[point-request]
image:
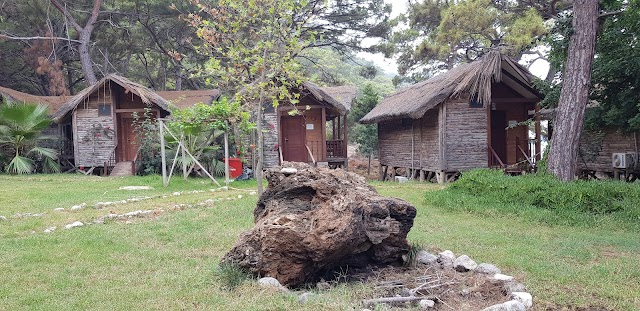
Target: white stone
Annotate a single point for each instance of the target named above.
(503, 277)
(487, 268)
(253, 193)
(212, 190)
(426, 258)
(426, 303)
(74, 224)
(59, 209)
(225, 188)
(3, 218)
(525, 298)
(446, 258)
(273, 283)
(50, 229)
(176, 193)
(240, 196)
(288, 171)
(402, 179)
(507, 306)
(512, 286)
(132, 188)
(463, 264)
(100, 205)
(76, 207)
(304, 297)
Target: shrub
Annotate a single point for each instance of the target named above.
(231, 275)
(490, 191)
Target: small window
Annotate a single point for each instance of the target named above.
(104, 110)
(475, 103)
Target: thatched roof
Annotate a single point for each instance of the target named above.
(323, 96)
(471, 78)
(53, 103)
(344, 94)
(162, 99)
(146, 95)
(183, 99)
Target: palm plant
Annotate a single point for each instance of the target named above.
(21, 126)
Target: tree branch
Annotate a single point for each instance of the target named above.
(6, 36)
(67, 15)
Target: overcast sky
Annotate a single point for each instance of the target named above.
(539, 68)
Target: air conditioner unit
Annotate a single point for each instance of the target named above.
(623, 160)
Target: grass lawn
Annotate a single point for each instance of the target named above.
(169, 260)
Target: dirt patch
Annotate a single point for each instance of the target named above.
(450, 290)
(359, 165)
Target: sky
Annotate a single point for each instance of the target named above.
(538, 69)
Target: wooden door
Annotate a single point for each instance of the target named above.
(499, 134)
(293, 139)
(127, 144)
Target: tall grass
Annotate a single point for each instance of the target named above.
(543, 198)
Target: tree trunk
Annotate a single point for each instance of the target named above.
(575, 91)
(84, 37)
(85, 58)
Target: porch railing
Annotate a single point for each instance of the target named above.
(110, 163)
(336, 149)
(135, 164)
(494, 159)
(313, 160)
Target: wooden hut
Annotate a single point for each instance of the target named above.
(303, 137)
(597, 149)
(99, 120)
(468, 117)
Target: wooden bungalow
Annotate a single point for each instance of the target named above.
(469, 117)
(317, 134)
(598, 149)
(98, 121)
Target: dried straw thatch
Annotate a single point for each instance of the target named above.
(473, 78)
(147, 96)
(323, 96)
(345, 94)
(53, 103)
(183, 99)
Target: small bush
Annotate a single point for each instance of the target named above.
(411, 258)
(231, 275)
(490, 191)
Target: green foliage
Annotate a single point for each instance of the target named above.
(575, 203)
(252, 45)
(365, 135)
(448, 33)
(325, 66)
(201, 125)
(146, 131)
(410, 259)
(231, 275)
(616, 67)
(220, 115)
(21, 126)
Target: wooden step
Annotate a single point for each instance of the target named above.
(122, 169)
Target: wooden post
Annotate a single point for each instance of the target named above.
(345, 142)
(163, 156)
(441, 176)
(226, 156)
(323, 130)
(184, 158)
(538, 152)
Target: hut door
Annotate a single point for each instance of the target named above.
(293, 139)
(499, 134)
(126, 138)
